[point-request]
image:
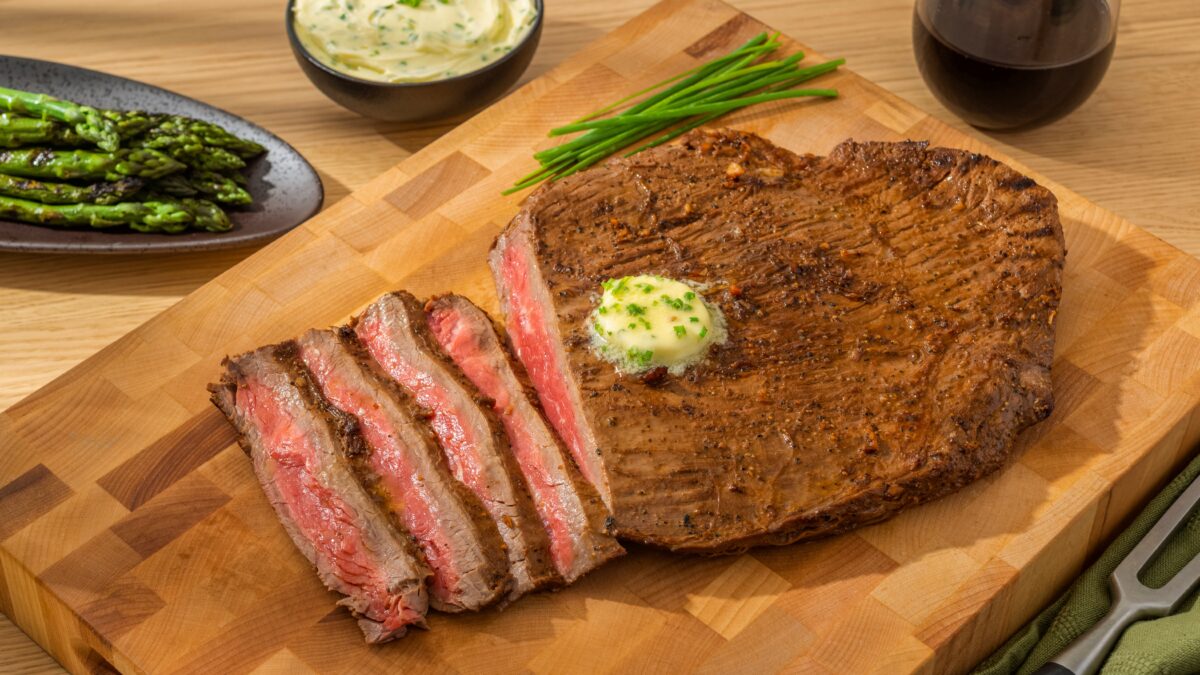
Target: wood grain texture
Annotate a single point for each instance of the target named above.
(1125, 149)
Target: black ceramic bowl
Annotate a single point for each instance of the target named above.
(412, 101)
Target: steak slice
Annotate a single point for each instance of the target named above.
(298, 445)
(570, 508)
(404, 469)
(393, 331)
(890, 313)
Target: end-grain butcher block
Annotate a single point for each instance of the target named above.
(890, 313)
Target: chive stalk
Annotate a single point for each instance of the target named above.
(689, 111)
(677, 105)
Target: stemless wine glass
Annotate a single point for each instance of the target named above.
(1009, 64)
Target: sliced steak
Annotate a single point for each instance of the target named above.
(890, 313)
(570, 508)
(403, 467)
(394, 333)
(299, 446)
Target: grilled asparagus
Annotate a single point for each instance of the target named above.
(86, 165)
(64, 193)
(142, 216)
(85, 120)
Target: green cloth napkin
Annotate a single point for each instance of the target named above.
(1166, 646)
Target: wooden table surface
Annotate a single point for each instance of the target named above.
(1133, 148)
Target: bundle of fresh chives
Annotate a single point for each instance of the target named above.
(694, 97)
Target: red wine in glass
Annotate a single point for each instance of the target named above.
(1010, 64)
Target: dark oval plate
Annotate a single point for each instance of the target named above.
(285, 187)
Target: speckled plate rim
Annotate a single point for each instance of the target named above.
(304, 193)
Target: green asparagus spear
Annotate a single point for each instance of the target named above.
(177, 221)
(208, 215)
(205, 184)
(192, 151)
(210, 134)
(86, 165)
(16, 131)
(130, 123)
(217, 159)
(85, 120)
(205, 214)
(142, 216)
(65, 193)
(219, 187)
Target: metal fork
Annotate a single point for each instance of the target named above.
(1132, 600)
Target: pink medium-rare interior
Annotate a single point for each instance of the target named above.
(390, 461)
(453, 431)
(537, 350)
(320, 514)
(460, 341)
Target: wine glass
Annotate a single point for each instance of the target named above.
(1010, 64)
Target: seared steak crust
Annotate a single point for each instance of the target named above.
(890, 311)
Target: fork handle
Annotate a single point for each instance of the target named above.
(1085, 655)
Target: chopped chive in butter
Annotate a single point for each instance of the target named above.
(640, 323)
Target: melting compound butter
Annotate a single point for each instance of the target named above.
(647, 321)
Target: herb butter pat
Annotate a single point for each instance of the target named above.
(645, 322)
(411, 40)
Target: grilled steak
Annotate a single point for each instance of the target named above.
(394, 332)
(890, 314)
(570, 508)
(298, 446)
(403, 466)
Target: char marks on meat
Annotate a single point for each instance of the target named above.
(403, 467)
(570, 508)
(890, 311)
(394, 332)
(299, 447)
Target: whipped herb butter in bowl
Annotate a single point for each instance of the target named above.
(403, 60)
(411, 40)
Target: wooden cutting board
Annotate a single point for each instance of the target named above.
(133, 534)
